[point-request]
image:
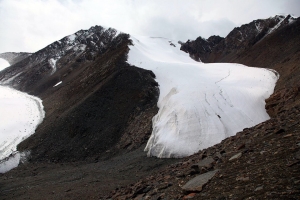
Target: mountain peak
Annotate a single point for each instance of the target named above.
(82, 46)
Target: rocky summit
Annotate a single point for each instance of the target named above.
(98, 120)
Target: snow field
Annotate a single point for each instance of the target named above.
(199, 104)
(20, 114)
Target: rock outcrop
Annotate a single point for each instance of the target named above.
(201, 48)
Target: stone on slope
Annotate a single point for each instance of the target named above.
(235, 156)
(197, 183)
(206, 162)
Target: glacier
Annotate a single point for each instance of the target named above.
(20, 114)
(199, 104)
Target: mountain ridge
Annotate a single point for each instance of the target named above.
(239, 39)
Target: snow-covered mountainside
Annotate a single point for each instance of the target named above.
(199, 104)
(216, 48)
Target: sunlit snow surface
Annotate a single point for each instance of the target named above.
(20, 114)
(3, 64)
(199, 104)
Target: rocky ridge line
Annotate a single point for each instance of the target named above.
(219, 49)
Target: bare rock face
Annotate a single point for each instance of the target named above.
(282, 100)
(200, 48)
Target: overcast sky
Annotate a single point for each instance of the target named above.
(29, 25)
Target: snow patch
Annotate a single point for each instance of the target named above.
(52, 63)
(8, 81)
(276, 26)
(291, 20)
(57, 83)
(199, 104)
(80, 47)
(13, 161)
(90, 35)
(72, 37)
(258, 28)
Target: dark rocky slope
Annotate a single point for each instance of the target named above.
(261, 162)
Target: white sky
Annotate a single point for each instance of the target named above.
(33, 24)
